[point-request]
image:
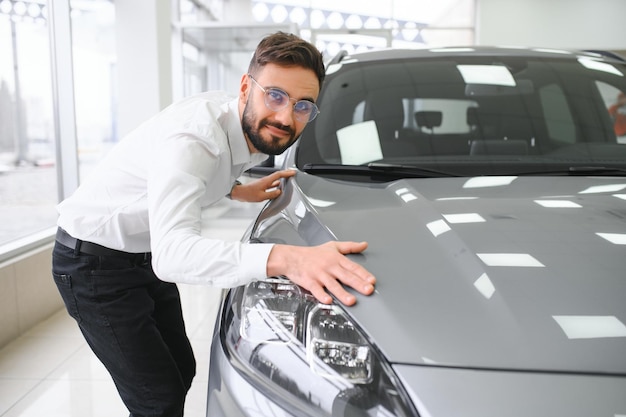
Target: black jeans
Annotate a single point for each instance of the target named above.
(133, 323)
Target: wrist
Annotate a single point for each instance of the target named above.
(276, 261)
(232, 189)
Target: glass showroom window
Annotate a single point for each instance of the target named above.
(29, 190)
(94, 55)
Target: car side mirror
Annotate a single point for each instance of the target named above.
(265, 168)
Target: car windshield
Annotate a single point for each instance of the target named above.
(468, 115)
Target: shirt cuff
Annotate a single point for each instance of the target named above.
(254, 259)
(229, 195)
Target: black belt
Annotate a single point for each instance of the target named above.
(80, 246)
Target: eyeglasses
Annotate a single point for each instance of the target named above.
(276, 99)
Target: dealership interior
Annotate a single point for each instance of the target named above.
(77, 75)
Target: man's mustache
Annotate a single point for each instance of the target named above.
(280, 126)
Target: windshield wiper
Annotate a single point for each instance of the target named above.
(377, 169)
(596, 170)
(580, 170)
(410, 169)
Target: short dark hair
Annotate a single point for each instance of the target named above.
(288, 50)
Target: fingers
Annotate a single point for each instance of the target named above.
(357, 277)
(321, 287)
(323, 270)
(265, 188)
(271, 194)
(270, 183)
(273, 179)
(345, 273)
(357, 272)
(321, 295)
(350, 247)
(335, 288)
(285, 173)
(349, 273)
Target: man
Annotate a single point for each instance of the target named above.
(617, 112)
(132, 229)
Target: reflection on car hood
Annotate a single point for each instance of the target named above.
(488, 272)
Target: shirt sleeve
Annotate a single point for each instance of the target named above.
(186, 171)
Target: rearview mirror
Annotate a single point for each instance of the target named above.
(520, 87)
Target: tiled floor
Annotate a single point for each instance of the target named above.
(51, 372)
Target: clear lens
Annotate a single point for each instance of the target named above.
(308, 355)
(276, 99)
(306, 110)
(269, 311)
(333, 341)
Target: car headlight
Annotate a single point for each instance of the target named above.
(309, 357)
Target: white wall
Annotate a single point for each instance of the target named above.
(576, 24)
(144, 62)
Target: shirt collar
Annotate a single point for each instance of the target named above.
(240, 153)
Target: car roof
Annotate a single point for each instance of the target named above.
(399, 53)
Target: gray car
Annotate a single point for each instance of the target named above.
(490, 184)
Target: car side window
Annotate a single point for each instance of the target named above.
(614, 100)
(608, 92)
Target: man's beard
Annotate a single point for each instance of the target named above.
(274, 145)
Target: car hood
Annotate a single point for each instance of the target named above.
(490, 272)
(438, 391)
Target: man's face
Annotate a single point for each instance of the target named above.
(272, 132)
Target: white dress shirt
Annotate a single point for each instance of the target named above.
(148, 193)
